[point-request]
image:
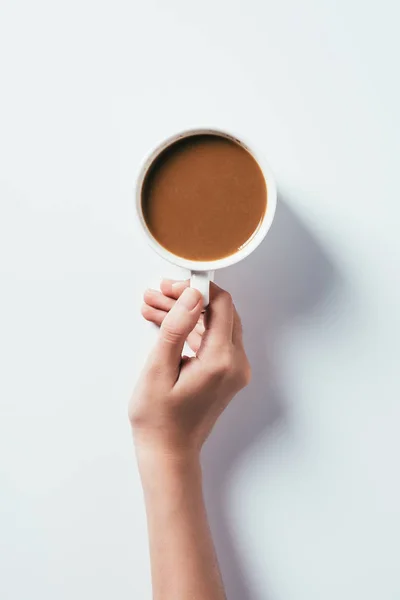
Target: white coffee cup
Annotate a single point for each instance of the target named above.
(202, 271)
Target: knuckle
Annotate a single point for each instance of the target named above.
(223, 363)
(244, 373)
(170, 334)
(136, 417)
(136, 408)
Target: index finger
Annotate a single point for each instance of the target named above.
(219, 320)
(173, 288)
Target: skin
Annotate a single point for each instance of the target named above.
(172, 412)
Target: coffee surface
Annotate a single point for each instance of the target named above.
(204, 197)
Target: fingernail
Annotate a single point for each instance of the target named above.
(189, 299)
(176, 284)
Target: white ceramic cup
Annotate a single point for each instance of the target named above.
(202, 272)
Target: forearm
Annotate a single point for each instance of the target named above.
(183, 561)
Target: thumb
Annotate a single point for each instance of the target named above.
(177, 325)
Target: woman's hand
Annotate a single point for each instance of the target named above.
(178, 399)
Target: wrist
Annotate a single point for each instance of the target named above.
(162, 467)
(156, 449)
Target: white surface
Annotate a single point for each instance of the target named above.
(303, 486)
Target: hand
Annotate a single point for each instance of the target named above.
(178, 399)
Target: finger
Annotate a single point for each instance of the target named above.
(173, 289)
(194, 341)
(158, 300)
(219, 319)
(157, 316)
(200, 327)
(154, 315)
(175, 328)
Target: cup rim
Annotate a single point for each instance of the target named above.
(251, 244)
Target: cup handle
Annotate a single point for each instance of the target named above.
(200, 280)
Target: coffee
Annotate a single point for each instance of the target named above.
(204, 197)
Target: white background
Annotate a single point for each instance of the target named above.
(303, 470)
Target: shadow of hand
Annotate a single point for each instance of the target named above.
(285, 278)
